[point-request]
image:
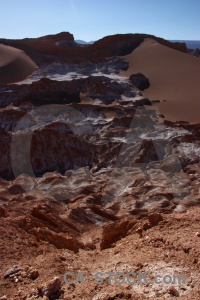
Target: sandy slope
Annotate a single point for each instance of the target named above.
(174, 76)
(15, 65)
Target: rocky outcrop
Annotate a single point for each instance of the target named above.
(52, 289)
(112, 232)
(140, 81)
(123, 44)
(46, 91)
(62, 47)
(86, 68)
(59, 240)
(41, 144)
(42, 92)
(154, 218)
(104, 89)
(150, 151)
(11, 117)
(43, 49)
(53, 37)
(48, 149)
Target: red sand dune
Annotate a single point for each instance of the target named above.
(174, 76)
(15, 65)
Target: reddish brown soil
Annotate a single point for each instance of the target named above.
(171, 247)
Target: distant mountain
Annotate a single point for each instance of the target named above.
(63, 47)
(83, 42)
(189, 44)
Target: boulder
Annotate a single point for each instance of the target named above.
(140, 81)
(154, 218)
(51, 289)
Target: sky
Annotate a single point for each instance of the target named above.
(91, 20)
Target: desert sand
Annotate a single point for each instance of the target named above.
(15, 65)
(174, 76)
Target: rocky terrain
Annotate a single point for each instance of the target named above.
(94, 179)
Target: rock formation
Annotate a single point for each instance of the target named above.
(48, 48)
(140, 81)
(94, 179)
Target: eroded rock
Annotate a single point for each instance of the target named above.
(52, 289)
(59, 240)
(140, 81)
(155, 218)
(112, 232)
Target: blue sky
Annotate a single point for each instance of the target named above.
(93, 19)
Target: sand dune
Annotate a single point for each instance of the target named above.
(174, 76)
(15, 65)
